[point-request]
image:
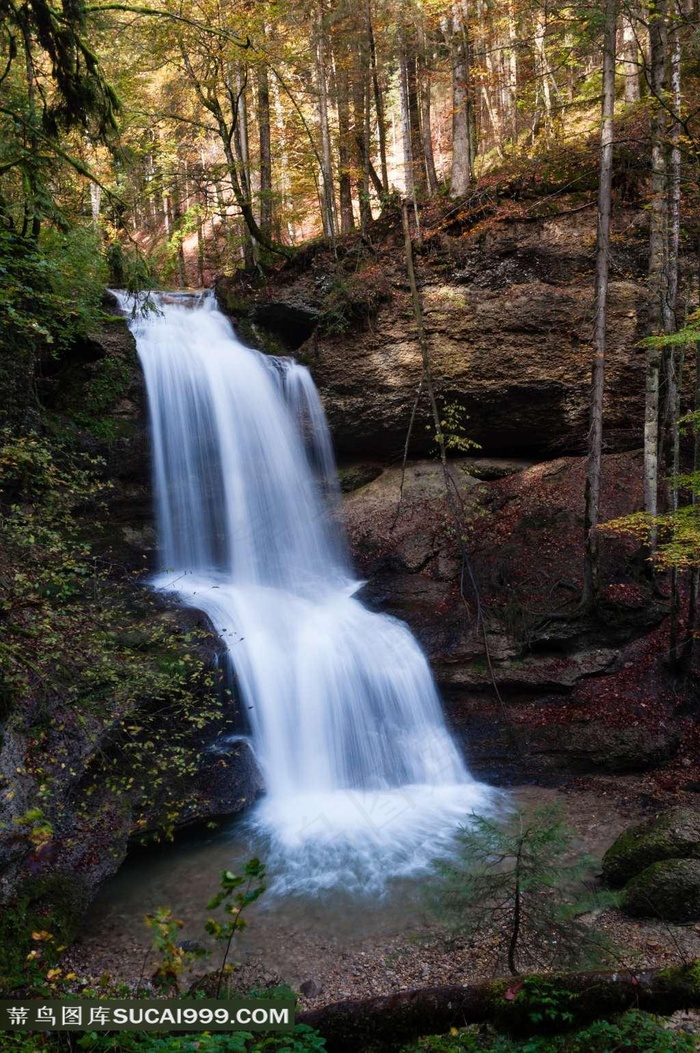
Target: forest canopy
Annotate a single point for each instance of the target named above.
(246, 128)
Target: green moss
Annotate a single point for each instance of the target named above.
(357, 475)
(669, 890)
(679, 977)
(232, 303)
(108, 383)
(674, 834)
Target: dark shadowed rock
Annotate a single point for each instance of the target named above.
(594, 747)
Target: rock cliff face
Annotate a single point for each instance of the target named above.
(574, 694)
(516, 360)
(508, 314)
(101, 392)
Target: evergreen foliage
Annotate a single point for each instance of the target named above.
(511, 883)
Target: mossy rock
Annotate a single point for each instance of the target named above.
(674, 834)
(354, 476)
(669, 890)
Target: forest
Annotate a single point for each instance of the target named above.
(350, 521)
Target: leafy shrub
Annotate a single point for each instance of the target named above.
(635, 1032)
(50, 296)
(302, 1040)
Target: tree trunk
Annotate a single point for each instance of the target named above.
(491, 88)
(408, 169)
(326, 158)
(463, 148)
(543, 72)
(591, 574)
(240, 139)
(425, 111)
(378, 100)
(658, 252)
(512, 58)
(388, 1021)
(411, 117)
(362, 133)
(284, 167)
(265, 150)
(347, 218)
(630, 58)
(686, 656)
(673, 364)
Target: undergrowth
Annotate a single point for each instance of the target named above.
(634, 1032)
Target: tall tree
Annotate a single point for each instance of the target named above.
(346, 145)
(424, 71)
(320, 56)
(378, 99)
(264, 136)
(658, 244)
(630, 52)
(591, 570)
(414, 166)
(463, 122)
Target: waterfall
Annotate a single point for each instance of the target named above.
(363, 781)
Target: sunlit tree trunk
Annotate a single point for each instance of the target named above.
(491, 88)
(408, 169)
(413, 149)
(95, 201)
(512, 61)
(378, 100)
(545, 77)
(630, 57)
(283, 163)
(463, 146)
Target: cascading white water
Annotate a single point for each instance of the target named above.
(363, 780)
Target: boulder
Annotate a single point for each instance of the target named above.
(669, 890)
(674, 834)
